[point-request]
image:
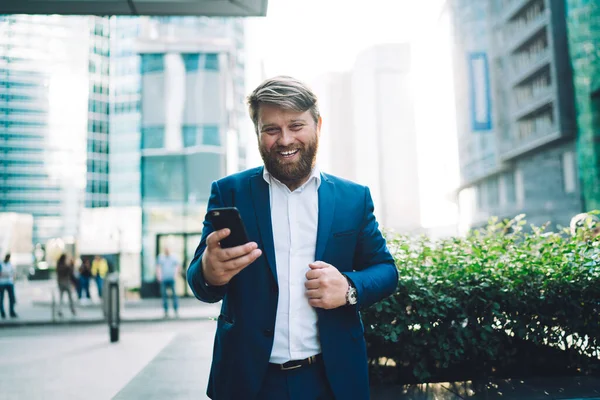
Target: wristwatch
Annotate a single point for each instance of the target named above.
(351, 294)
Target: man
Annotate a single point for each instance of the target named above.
(7, 283)
(99, 270)
(289, 326)
(167, 268)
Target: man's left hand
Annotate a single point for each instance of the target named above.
(326, 287)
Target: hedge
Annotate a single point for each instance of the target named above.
(504, 300)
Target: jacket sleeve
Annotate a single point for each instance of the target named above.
(195, 277)
(375, 275)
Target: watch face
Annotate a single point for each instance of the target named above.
(352, 296)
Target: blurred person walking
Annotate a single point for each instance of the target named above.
(99, 270)
(167, 268)
(64, 276)
(7, 283)
(85, 275)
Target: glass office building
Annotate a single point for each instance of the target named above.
(516, 119)
(583, 19)
(120, 112)
(43, 120)
(191, 99)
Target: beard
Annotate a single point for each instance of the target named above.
(287, 171)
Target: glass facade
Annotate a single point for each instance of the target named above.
(89, 119)
(125, 129)
(191, 98)
(98, 114)
(583, 18)
(43, 120)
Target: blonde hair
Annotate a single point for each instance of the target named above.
(284, 92)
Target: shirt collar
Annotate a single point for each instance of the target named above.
(315, 174)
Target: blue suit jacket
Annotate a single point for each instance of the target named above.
(348, 238)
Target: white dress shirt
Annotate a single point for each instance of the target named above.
(294, 217)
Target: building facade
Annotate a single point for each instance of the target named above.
(583, 19)
(515, 114)
(370, 135)
(142, 113)
(43, 120)
(386, 157)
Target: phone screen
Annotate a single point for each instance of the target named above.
(229, 217)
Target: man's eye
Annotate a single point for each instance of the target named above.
(296, 127)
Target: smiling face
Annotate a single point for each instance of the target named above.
(288, 143)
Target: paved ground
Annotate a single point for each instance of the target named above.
(167, 360)
(170, 359)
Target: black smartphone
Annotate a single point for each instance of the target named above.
(229, 217)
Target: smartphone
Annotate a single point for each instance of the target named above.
(229, 217)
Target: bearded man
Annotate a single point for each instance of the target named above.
(290, 326)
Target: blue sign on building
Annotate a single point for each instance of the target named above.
(479, 92)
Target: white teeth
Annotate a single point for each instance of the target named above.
(288, 153)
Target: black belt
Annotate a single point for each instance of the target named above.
(293, 364)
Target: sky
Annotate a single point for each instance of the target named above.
(309, 38)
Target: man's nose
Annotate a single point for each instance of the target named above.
(286, 138)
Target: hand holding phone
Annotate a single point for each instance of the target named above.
(228, 250)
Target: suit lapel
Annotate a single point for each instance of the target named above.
(262, 205)
(326, 211)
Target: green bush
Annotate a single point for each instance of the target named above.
(480, 304)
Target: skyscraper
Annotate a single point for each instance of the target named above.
(43, 120)
(583, 19)
(369, 132)
(192, 92)
(385, 135)
(155, 101)
(515, 114)
(98, 113)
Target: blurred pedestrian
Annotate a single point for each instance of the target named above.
(64, 276)
(167, 268)
(85, 274)
(7, 283)
(99, 270)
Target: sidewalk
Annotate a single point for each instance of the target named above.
(35, 308)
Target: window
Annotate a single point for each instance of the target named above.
(492, 192)
(568, 170)
(190, 135)
(191, 61)
(509, 188)
(211, 135)
(212, 62)
(152, 63)
(519, 188)
(153, 137)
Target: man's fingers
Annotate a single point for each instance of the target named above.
(318, 265)
(312, 284)
(236, 252)
(313, 274)
(318, 303)
(242, 262)
(314, 294)
(214, 238)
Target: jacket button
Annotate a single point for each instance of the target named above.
(268, 332)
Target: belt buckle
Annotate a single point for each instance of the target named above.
(289, 368)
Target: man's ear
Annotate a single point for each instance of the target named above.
(319, 123)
